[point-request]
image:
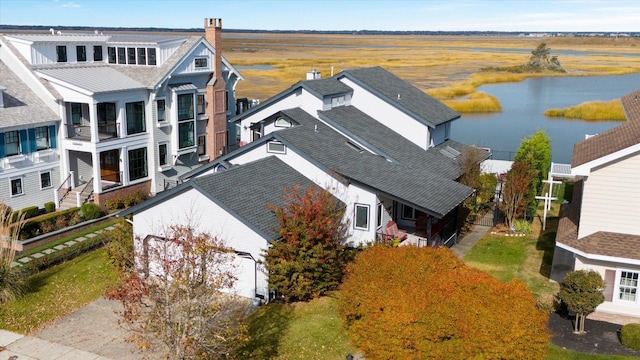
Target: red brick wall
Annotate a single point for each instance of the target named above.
(100, 199)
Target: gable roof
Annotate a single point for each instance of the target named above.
(418, 186)
(619, 138)
(21, 105)
(361, 126)
(248, 203)
(599, 244)
(402, 95)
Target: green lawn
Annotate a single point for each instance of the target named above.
(297, 331)
(57, 291)
(557, 353)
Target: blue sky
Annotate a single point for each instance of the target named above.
(483, 15)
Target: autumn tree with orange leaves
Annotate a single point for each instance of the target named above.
(310, 257)
(425, 303)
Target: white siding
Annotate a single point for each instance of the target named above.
(350, 195)
(299, 98)
(187, 66)
(600, 267)
(611, 196)
(389, 115)
(194, 209)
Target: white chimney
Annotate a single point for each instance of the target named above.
(313, 74)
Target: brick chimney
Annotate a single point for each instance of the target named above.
(216, 98)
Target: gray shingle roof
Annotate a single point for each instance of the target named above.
(95, 79)
(326, 87)
(612, 140)
(21, 105)
(395, 145)
(401, 94)
(420, 186)
(248, 189)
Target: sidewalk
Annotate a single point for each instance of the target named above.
(92, 332)
(19, 347)
(469, 240)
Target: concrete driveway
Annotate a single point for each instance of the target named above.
(91, 332)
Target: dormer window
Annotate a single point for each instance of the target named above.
(151, 52)
(81, 53)
(201, 63)
(337, 101)
(111, 54)
(122, 55)
(142, 56)
(97, 53)
(61, 52)
(131, 55)
(276, 147)
(281, 122)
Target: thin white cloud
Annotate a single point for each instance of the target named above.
(71, 4)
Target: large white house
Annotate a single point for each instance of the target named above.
(599, 230)
(133, 111)
(367, 160)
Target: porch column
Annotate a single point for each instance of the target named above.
(93, 123)
(429, 243)
(95, 160)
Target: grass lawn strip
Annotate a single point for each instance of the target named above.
(65, 239)
(58, 291)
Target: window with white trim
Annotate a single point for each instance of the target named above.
(45, 179)
(135, 117)
(16, 187)
(276, 147)
(282, 122)
(97, 53)
(142, 56)
(186, 121)
(131, 55)
(628, 286)
(408, 212)
(12, 142)
(337, 101)
(200, 63)
(201, 104)
(111, 54)
(162, 154)
(81, 53)
(61, 53)
(160, 107)
(138, 163)
(202, 148)
(122, 55)
(42, 138)
(361, 217)
(151, 56)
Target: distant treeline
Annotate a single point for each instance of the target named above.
(328, 32)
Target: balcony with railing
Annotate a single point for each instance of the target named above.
(83, 132)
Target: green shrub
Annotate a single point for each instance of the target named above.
(49, 207)
(115, 203)
(91, 211)
(523, 227)
(29, 212)
(34, 227)
(630, 336)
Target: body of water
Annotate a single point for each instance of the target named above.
(523, 107)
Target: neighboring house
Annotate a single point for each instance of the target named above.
(375, 91)
(29, 155)
(136, 110)
(600, 230)
(371, 165)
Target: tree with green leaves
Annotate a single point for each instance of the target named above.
(535, 151)
(310, 257)
(515, 190)
(582, 292)
(541, 59)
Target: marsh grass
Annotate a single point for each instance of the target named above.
(429, 62)
(476, 102)
(591, 111)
